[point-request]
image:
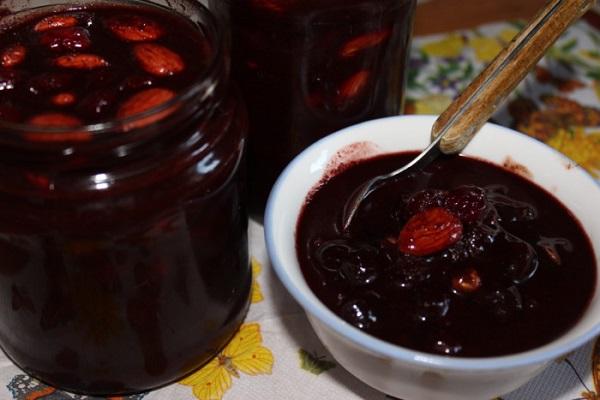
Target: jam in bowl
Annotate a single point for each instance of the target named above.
(123, 216)
(461, 281)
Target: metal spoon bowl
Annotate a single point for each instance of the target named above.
(459, 123)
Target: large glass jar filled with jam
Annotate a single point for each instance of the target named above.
(310, 67)
(123, 247)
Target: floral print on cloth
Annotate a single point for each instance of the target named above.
(24, 387)
(558, 103)
(244, 354)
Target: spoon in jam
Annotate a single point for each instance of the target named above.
(457, 125)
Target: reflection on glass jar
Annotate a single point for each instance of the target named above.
(310, 67)
(123, 223)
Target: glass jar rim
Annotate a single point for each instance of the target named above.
(204, 86)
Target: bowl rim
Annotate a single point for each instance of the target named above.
(380, 347)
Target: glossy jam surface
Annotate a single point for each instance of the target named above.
(463, 259)
(87, 66)
(124, 255)
(308, 68)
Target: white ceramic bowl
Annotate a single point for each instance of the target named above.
(398, 371)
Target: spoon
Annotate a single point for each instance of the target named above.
(457, 125)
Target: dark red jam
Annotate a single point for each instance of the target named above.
(123, 244)
(92, 65)
(310, 67)
(462, 259)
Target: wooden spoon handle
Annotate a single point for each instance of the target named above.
(473, 107)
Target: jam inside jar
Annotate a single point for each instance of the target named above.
(123, 222)
(308, 68)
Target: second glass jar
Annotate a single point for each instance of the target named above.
(308, 68)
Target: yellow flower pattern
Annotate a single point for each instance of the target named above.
(451, 46)
(581, 147)
(257, 295)
(508, 34)
(486, 48)
(432, 105)
(244, 354)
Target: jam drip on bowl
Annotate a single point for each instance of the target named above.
(462, 259)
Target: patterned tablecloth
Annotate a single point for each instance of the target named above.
(277, 356)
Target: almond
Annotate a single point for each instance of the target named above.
(467, 282)
(133, 28)
(66, 39)
(63, 99)
(429, 232)
(158, 60)
(363, 42)
(353, 86)
(55, 21)
(56, 120)
(13, 55)
(81, 61)
(144, 101)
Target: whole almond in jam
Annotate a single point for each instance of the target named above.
(66, 39)
(363, 42)
(13, 55)
(430, 231)
(134, 28)
(55, 21)
(158, 60)
(56, 120)
(144, 101)
(448, 261)
(81, 61)
(63, 99)
(352, 87)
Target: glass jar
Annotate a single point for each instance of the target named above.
(124, 243)
(310, 67)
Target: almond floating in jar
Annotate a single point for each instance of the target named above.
(81, 61)
(429, 232)
(55, 21)
(158, 60)
(134, 28)
(66, 39)
(359, 43)
(56, 120)
(13, 55)
(63, 99)
(144, 101)
(353, 86)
